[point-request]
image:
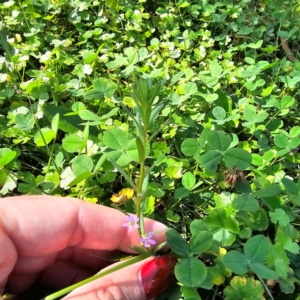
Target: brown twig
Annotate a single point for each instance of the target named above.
(289, 54)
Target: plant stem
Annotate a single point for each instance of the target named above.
(139, 195)
(141, 181)
(265, 286)
(25, 17)
(120, 266)
(50, 153)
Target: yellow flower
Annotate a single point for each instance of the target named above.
(218, 279)
(223, 251)
(122, 196)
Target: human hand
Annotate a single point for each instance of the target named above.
(59, 241)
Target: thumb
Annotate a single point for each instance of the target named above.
(140, 281)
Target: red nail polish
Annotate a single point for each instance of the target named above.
(157, 275)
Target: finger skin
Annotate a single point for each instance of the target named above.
(37, 230)
(143, 280)
(123, 284)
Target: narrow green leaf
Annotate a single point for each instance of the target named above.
(137, 123)
(86, 131)
(155, 111)
(100, 162)
(55, 124)
(124, 174)
(146, 195)
(80, 178)
(132, 150)
(109, 114)
(137, 103)
(4, 43)
(141, 150)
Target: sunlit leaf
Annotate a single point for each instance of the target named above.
(188, 180)
(6, 156)
(82, 164)
(115, 138)
(189, 147)
(44, 137)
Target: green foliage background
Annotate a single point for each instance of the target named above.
(231, 112)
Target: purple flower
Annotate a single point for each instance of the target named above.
(132, 222)
(146, 239)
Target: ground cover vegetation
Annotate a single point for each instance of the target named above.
(182, 111)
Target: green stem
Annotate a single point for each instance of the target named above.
(97, 276)
(265, 286)
(141, 181)
(215, 293)
(25, 17)
(138, 197)
(46, 146)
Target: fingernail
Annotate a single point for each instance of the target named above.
(157, 274)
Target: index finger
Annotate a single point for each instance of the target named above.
(41, 225)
